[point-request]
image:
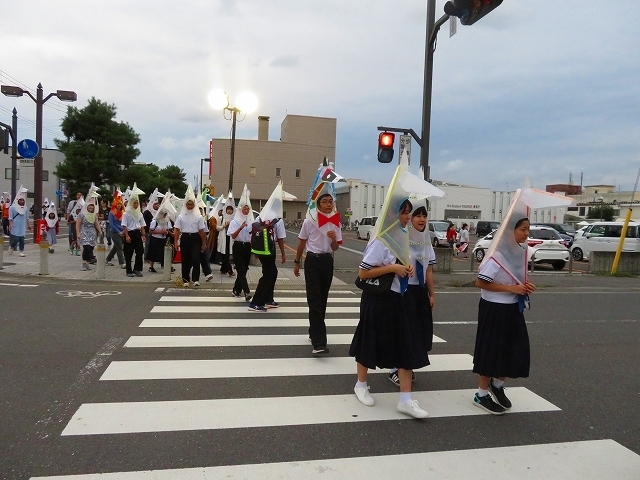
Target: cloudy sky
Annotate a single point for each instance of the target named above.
(541, 89)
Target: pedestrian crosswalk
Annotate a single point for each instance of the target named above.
(198, 337)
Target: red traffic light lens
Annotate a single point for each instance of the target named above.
(386, 139)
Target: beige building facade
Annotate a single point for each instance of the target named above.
(304, 143)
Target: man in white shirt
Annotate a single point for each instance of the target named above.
(240, 232)
(189, 231)
(133, 226)
(321, 240)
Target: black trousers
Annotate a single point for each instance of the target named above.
(135, 246)
(225, 267)
(318, 275)
(241, 258)
(267, 283)
(190, 245)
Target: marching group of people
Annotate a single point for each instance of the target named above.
(395, 329)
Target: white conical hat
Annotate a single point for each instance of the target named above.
(388, 228)
(134, 194)
(51, 222)
(273, 208)
(165, 207)
(217, 205)
(227, 217)
(6, 197)
(21, 193)
(504, 250)
(92, 199)
(244, 200)
(126, 195)
(155, 197)
(189, 195)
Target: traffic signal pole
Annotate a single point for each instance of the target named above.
(431, 34)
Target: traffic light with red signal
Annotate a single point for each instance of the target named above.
(470, 11)
(385, 147)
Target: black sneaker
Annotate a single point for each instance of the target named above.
(393, 377)
(488, 405)
(499, 396)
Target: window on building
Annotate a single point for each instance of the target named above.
(298, 173)
(252, 171)
(284, 214)
(7, 174)
(45, 175)
(277, 172)
(581, 211)
(299, 216)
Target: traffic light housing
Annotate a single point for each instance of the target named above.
(470, 11)
(385, 147)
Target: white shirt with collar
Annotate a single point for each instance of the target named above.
(189, 223)
(317, 241)
(245, 233)
(131, 222)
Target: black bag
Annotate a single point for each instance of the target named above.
(262, 238)
(376, 285)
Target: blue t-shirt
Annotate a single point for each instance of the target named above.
(19, 225)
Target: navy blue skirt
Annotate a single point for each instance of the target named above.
(502, 341)
(394, 331)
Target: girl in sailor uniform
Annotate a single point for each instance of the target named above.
(384, 335)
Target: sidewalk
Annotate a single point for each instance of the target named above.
(66, 266)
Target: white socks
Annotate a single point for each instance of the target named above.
(360, 384)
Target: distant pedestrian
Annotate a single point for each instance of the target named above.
(133, 227)
(52, 226)
(18, 222)
(320, 237)
(160, 229)
(70, 216)
(117, 233)
(188, 232)
(463, 237)
(451, 236)
(87, 230)
(240, 232)
(6, 202)
(225, 242)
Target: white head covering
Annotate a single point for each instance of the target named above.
(165, 207)
(504, 249)
(227, 217)
(77, 208)
(22, 193)
(134, 194)
(155, 197)
(420, 245)
(127, 194)
(388, 229)
(92, 199)
(244, 200)
(6, 197)
(51, 222)
(217, 205)
(46, 202)
(273, 208)
(189, 195)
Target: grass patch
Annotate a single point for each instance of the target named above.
(617, 274)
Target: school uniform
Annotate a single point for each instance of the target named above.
(134, 228)
(267, 283)
(241, 249)
(502, 341)
(190, 225)
(318, 275)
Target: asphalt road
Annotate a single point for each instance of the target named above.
(55, 347)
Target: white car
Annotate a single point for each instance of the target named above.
(544, 246)
(605, 237)
(438, 233)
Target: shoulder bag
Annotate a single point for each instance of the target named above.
(376, 285)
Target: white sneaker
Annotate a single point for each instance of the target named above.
(185, 284)
(196, 284)
(208, 277)
(10, 251)
(411, 408)
(363, 395)
(22, 254)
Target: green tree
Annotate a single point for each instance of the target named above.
(97, 147)
(601, 212)
(148, 177)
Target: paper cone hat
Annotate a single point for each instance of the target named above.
(134, 195)
(21, 194)
(227, 217)
(165, 207)
(244, 200)
(273, 208)
(51, 209)
(504, 249)
(189, 196)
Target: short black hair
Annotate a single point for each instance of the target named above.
(420, 211)
(406, 204)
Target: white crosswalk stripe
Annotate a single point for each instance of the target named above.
(234, 328)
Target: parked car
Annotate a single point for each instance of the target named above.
(365, 228)
(605, 236)
(438, 233)
(485, 227)
(561, 228)
(543, 246)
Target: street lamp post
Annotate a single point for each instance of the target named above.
(247, 103)
(40, 99)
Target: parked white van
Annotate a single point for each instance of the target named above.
(365, 227)
(604, 237)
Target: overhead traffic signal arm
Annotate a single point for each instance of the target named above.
(470, 11)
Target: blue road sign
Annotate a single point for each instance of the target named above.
(28, 148)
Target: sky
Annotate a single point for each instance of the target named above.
(537, 91)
